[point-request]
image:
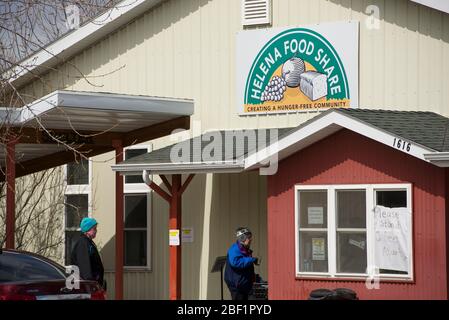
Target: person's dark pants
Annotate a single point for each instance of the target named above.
(237, 295)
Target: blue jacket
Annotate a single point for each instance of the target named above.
(239, 272)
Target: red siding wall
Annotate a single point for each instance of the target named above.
(349, 158)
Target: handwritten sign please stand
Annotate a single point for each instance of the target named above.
(392, 227)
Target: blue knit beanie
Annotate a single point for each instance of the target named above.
(87, 224)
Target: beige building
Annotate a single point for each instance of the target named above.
(187, 49)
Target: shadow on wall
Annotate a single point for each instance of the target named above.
(145, 284)
(415, 17)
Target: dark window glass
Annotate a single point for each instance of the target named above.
(71, 237)
(76, 208)
(392, 199)
(131, 153)
(313, 256)
(135, 248)
(21, 267)
(135, 230)
(351, 252)
(78, 172)
(313, 251)
(313, 209)
(136, 211)
(351, 245)
(351, 209)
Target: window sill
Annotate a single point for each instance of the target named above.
(136, 269)
(131, 269)
(353, 279)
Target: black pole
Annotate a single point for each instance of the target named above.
(221, 282)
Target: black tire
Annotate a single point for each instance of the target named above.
(345, 294)
(320, 294)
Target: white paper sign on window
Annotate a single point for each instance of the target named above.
(392, 227)
(315, 215)
(318, 249)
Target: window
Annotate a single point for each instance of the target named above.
(77, 200)
(391, 199)
(78, 173)
(351, 231)
(341, 231)
(313, 231)
(76, 208)
(131, 153)
(136, 208)
(137, 215)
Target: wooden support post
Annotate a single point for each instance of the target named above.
(10, 193)
(175, 251)
(119, 223)
(175, 200)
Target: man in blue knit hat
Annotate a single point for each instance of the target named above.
(85, 253)
(239, 272)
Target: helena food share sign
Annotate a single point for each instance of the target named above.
(297, 69)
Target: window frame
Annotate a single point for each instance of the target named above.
(134, 187)
(140, 189)
(370, 190)
(77, 189)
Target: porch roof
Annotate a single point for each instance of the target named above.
(48, 130)
(196, 155)
(421, 134)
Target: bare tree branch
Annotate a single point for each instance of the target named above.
(27, 26)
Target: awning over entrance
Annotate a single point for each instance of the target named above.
(421, 134)
(221, 151)
(87, 122)
(65, 125)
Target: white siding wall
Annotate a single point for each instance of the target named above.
(186, 49)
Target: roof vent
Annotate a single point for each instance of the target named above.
(256, 12)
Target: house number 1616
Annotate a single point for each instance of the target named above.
(402, 145)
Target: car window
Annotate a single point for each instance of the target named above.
(22, 267)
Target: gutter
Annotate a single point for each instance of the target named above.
(178, 168)
(440, 159)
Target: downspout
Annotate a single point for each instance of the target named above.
(146, 178)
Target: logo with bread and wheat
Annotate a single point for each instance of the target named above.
(297, 69)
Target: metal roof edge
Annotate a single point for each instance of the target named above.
(179, 167)
(83, 99)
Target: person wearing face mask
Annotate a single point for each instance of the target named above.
(239, 272)
(85, 253)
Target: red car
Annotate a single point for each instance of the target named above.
(29, 276)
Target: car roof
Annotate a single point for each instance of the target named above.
(35, 255)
